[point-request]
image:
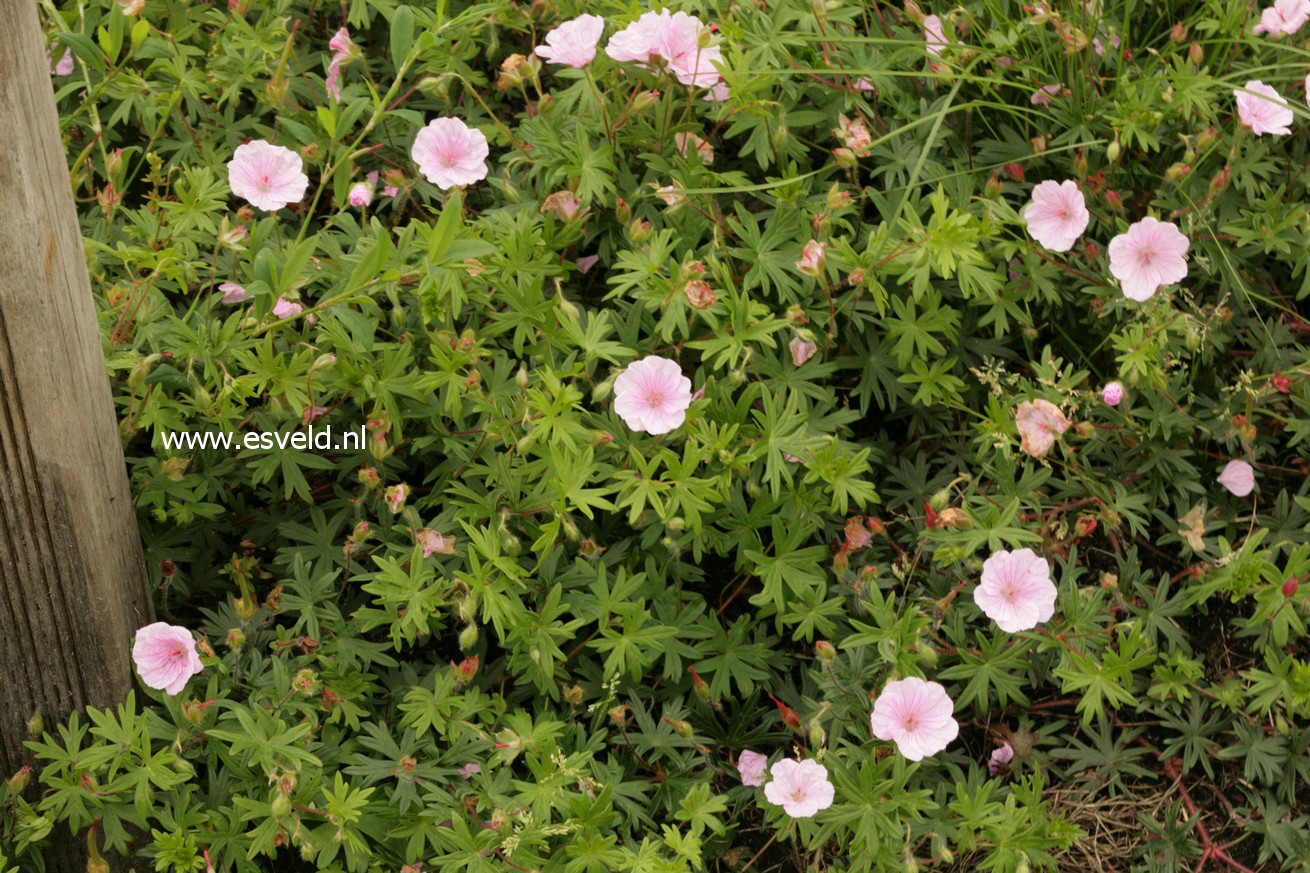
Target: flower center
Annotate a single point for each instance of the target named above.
(1146, 256)
(265, 182)
(654, 400)
(176, 652)
(1064, 214)
(798, 795)
(910, 723)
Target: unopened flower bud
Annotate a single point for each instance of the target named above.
(680, 727)
(1080, 164)
(825, 651)
(1177, 171)
(281, 806)
(622, 211)
(1013, 171)
(1114, 201)
(1207, 138)
(1112, 151)
(468, 637)
(1290, 586)
(18, 782)
(993, 188)
(1178, 34)
(639, 230)
(1196, 55)
(1038, 143)
(236, 638)
(845, 158)
(1219, 182)
(645, 100)
(35, 725)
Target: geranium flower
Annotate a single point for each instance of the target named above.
(651, 395)
(449, 153)
(565, 204)
(1149, 255)
(1238, 477)
(685, 142)
(1112, 393)
(267, 176)
(1285, 17)
(284, 308)
(361, 194)
(1042, 96)
(343, 51)
(468, 771)
(812, 257)
(434, 543)
(573, 43)
(1262, 109)
(1000, 759)
(1016, 590)
(801, 788)
(674, 38)
(64, 66)
(1057, 215)
(165, 656)
(933, 35)
(1040, 424)
(916, 715)
(751, 766)
(233, 293)
(395, 497)
(801, 351)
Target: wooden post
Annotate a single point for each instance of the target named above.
(73, 587)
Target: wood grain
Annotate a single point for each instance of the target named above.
(73, 587)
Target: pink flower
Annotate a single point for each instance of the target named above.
(585, 263)
(1238, 477)
(387, 190)
(652, 395)
(434, 543)
(1057, 215)
(1112, 393)
(1100, 49)
(284, 308)
(449, 153)
(165, 656)
(565, 204)
(801, 351)
(676, 39)
(1000, 759)
(573, 43)
(751, 766)
(64, 66)
(865, 85)
(717, 93)
(639, 41)
(801, 788)
(916, 715)
(1040, 423)
(1016, 590)
(1149, 255)
(686, 142)
(933, 35)
(395, 497)
(234, 293)
(812, 258)
(468, 771)
(1285, 17)
(361, 194)
(343, 52)
(1042, 96)
(266, 175)
(1262, 109)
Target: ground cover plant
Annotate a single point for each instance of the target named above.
(798, 436)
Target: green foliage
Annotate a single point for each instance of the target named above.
(508, 632)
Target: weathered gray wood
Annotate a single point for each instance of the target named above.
(72, 583)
